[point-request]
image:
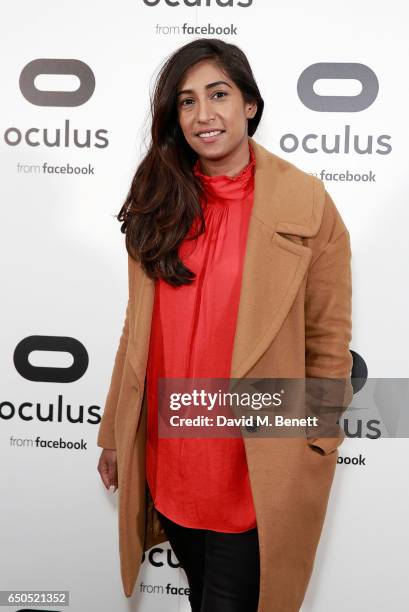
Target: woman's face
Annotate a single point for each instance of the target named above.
(209, 101)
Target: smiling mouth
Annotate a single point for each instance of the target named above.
(210, 134)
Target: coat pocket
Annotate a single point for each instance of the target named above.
(325, 446)
(135, 363)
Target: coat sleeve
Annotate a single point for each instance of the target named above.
(328, 329)
(106, 432)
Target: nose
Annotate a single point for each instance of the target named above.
(205, 113)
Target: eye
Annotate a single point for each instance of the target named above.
(216, 93)
(224, 93)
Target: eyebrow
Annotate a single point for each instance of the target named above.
(208, 86)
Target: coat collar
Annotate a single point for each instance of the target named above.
(288, 203)
(286, 199)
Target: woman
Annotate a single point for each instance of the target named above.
(239, 266)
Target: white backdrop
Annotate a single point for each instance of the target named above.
(64, 272)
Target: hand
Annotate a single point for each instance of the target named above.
(107, 468)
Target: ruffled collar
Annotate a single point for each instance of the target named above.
(222, 188)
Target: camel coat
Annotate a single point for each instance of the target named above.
(294, 321)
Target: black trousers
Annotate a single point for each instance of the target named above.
(222, 569)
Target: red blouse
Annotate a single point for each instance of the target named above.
(202, 483)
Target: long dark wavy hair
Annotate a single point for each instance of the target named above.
(164, 197)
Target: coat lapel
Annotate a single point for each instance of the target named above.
(288, 205)
(287, 202)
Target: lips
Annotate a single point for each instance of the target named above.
(210, 134)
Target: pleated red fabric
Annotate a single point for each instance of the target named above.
(202, 483)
